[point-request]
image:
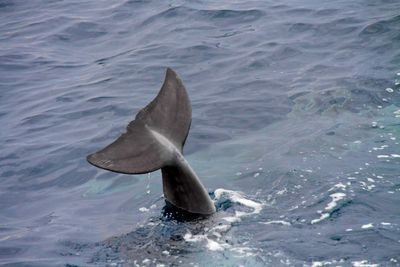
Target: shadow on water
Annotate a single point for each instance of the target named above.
(174, 238)
(160, 240)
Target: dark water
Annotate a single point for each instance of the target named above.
(296, 115)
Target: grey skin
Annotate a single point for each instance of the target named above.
(154, 140)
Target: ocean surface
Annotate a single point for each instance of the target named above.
(295, 131)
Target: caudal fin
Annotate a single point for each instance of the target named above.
(138, 151)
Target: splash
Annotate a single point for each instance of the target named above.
(213, 237)
(336, 197)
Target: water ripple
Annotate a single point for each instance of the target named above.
(289, 99)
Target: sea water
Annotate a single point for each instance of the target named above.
(295, 131)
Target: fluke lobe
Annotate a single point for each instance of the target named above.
(155, 140)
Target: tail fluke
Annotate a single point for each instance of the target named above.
(137, 151)
(154, 140)
(170, 113)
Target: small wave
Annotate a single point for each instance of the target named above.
(239, 16)
(375, 28)
(299, 11)
(81, 31)
(285, 53)
(238, 197)
(213, 237)
(336, 198)
(5, 3)
(327, 12)
(170, 13)
(301, 27)
(224, 16)
(10, 251)
(279, 222)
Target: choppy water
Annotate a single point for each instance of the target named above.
(296, 115)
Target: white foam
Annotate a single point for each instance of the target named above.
(367, 226)
(389, 90)
(321, 218)
(211, 244)
(281, 192)
(367, 187)
(143, 209)
(363, 263)
(336, 197)
(237, 197)
(165, 252)
(317, 264)
(214, 246)
(388, 156)
(213, 236)
(382, 156)
(380, 148)
(338, 185)
(146, 261)
(243, 251)
(231, 219)
(385, 223)
(222, 227)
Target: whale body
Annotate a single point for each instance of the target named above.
(154, 140)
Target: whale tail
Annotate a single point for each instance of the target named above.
(155, 140)
(137, 151)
